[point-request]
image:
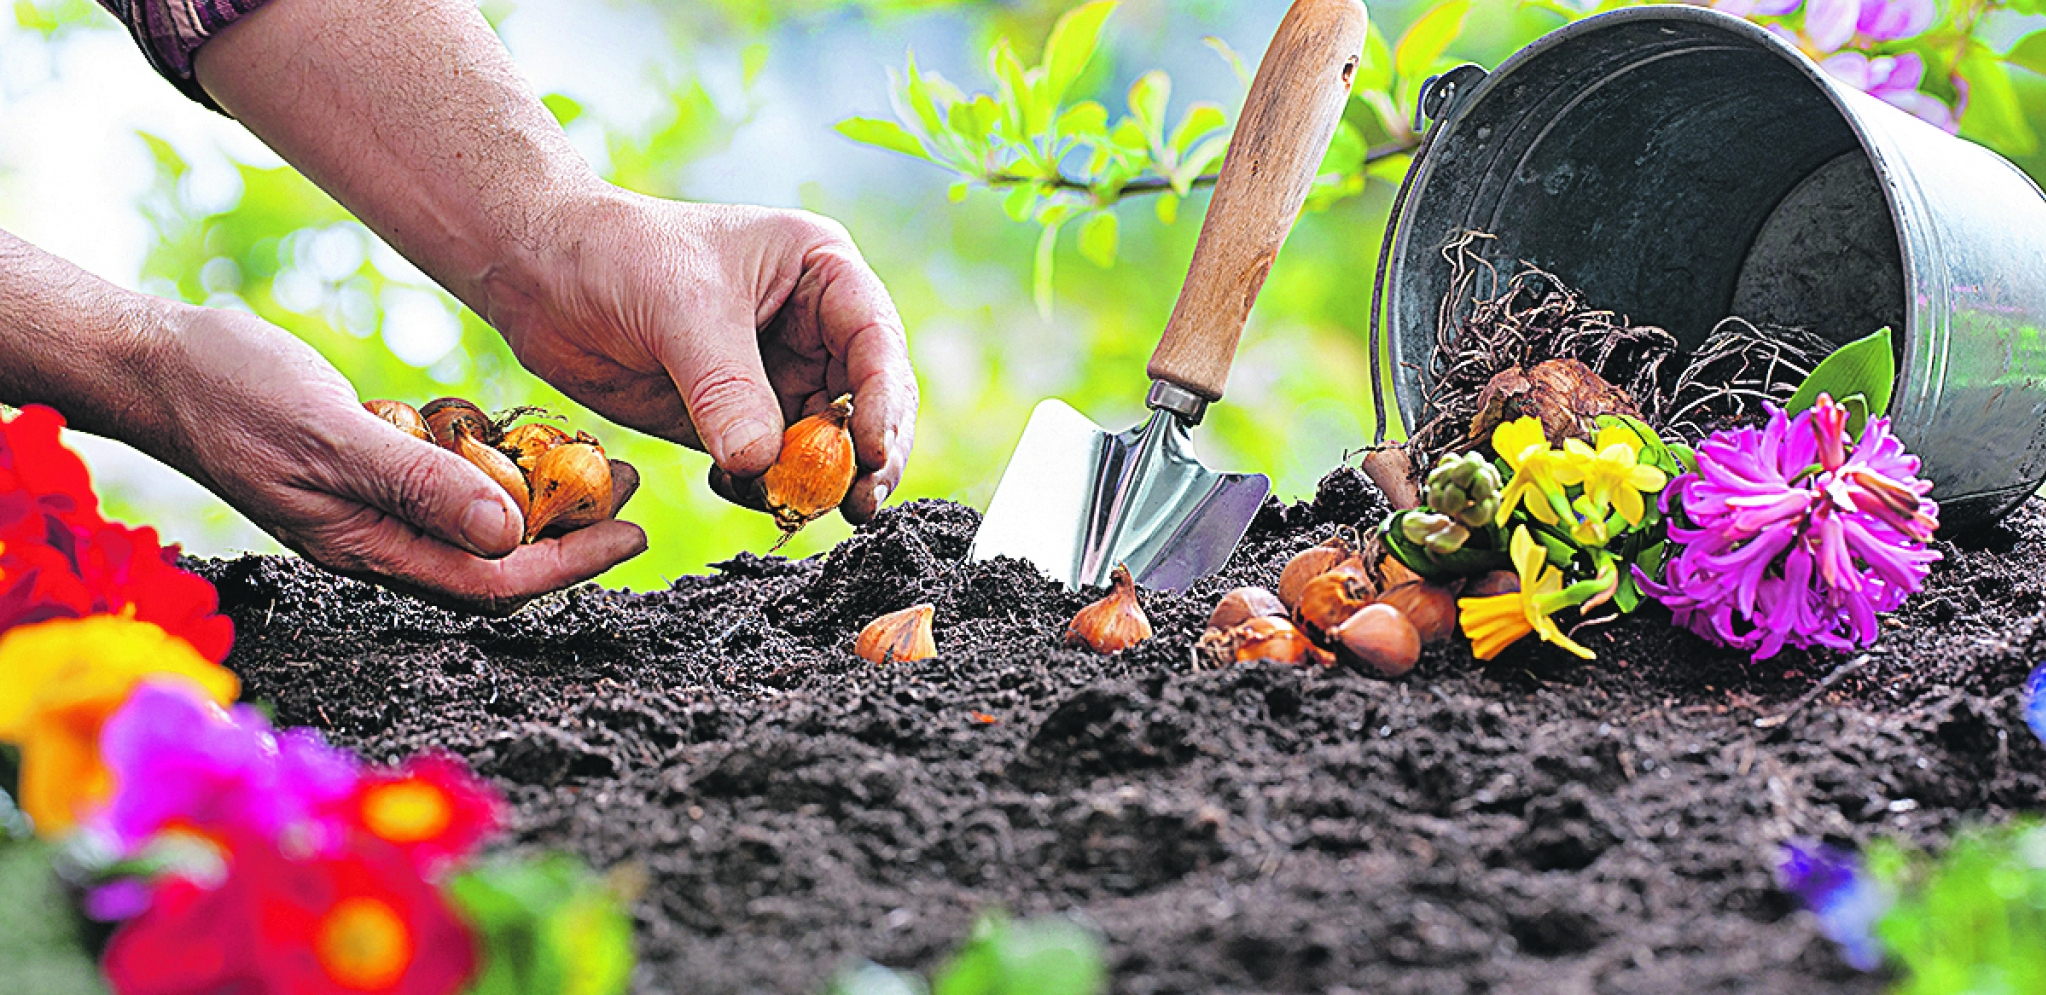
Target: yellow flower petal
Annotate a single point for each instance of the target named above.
(60, 680)
(1618, 434)
(1528, 557)
(1493, 623)
(1546, 627)
(1511, 440)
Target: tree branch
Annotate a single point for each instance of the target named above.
(1158, 184)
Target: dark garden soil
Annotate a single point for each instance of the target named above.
(1539, 824)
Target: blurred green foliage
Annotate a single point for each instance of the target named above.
(1972, 919)
(968, 280)
(1042, 956)
(546, 926)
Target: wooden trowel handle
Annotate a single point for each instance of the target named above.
(1281, 137)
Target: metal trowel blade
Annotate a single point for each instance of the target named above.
(1077, 499)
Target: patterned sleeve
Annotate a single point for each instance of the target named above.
(169, 31)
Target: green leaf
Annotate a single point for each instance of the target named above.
(1201, 120)
(546, 927)
(956, 193)
(1168, 210)
(883, 134)
(1073, 43)
(1375, 72)
(1034, 957)
(1148, 97)
(1423, 44)
(1041, 272)
(1100, 236)
(1229, 55)
(1087, 120)
(1995, 113)
(1014, 83)
(2029, 52)
(1021, 202)
(563, 107)
(1866, 366)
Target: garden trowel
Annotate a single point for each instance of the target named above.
(1076, 500)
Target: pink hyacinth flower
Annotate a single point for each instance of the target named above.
(1789, 537)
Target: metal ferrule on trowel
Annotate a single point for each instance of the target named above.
(1076, 499)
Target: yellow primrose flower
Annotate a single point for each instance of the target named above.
(1497, 622)
(61, 680)
(1537, 468)
(1612, 475)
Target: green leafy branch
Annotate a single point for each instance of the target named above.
(1059, 162)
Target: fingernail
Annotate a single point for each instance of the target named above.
(485, 526)
(744, 436)
(880, 495)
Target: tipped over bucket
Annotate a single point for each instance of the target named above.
(1678, 165)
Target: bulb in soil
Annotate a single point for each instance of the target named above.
(1392, 573)
(1381, 638)
(903, 636)
(1241, 605)
(1311, 563)
(499, 468)
(1431, 608)
(449, 418)
(1330, 599)
(404, 416)
(815, 470)
(526, 442)
(571, 482)
(1114, 623)
(1492, 584)
(1275, 639)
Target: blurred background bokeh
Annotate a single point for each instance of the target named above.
(728, 101)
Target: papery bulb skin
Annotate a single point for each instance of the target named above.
(815, 470)
(903, 636)
(1313, 562)
(1114, 623)
(499, 468)
(449, 418)
(406, 417)
(571, 482)
(1380, 637)
(1330, 599)
(524, 443)
(1243, 604)
(1431, 608)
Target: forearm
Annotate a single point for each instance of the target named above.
(411, 113)
(77, 343)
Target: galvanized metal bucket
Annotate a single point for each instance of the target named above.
(1679, 165)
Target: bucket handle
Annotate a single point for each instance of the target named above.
(1439, 98)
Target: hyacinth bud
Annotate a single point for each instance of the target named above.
(1440, 535)
(1465, 487)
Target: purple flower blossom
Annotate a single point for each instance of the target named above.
(2035, 702)
(1848, 904)
(1788, 537)
(179, 761)
(1829, 26)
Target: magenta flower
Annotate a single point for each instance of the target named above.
(1788, 536)
(179, 761)
(1829, 26)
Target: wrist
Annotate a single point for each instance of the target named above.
(79, 344)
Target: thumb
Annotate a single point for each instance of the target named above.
(724, 385)
(435, 491)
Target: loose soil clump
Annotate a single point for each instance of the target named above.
(1532, 824)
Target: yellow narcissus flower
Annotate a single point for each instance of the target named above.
(1497, 622)
(1612, 475)
(59, 682)
(1537, 468)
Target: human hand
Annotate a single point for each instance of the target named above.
(265, 422)
(713, 327)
